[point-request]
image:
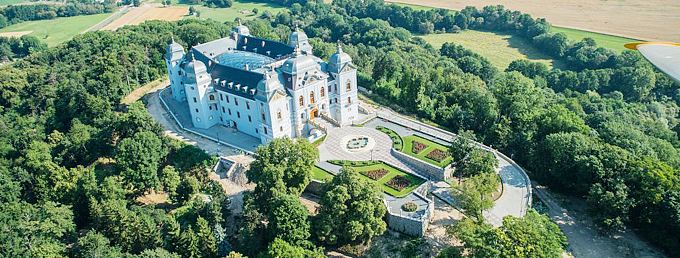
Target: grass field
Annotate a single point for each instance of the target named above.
(408, 149)
(392, 173)
(500, 49)
(9, 2)
(320, 174)
(603, 40)
(397, 142)
(57, 30)
(240, 10)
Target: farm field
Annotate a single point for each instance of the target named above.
(645, 20)
(240, 10)
(57, 30)
(154, 11)
(431, 146)
(500, 49)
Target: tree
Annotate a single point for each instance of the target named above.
(474, 196)
(206, 238)
(94, 245)
(138, 157)
(282, 249)
(283, 166)
(351, 210)
(185, 190)
(192, 10)
(169, 179)
(288, 220)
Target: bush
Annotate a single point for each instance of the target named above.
(399, 182)
(418, 147)
(437, 155)
(375, 174)
(409, 207)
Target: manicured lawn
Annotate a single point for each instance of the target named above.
(396, 139)
(240, 9)
(603, 40)
(416, 181)
(499, 49)
(58, 30)
(320, 174)
(408, 146)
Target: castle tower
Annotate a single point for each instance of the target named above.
(344, 101)
(298, 39)
(274, 109)
(200, 94)
(174, 56)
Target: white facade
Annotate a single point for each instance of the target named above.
(263, 88)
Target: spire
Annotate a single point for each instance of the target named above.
(339, 47)
(296, 26)
(172, 37)
(297, 50)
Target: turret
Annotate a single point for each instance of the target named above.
(298, 39)
(338, 60)
(174, 55)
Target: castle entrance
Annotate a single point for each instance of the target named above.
(315, 113)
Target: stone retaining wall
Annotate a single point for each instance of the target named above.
(408, 225)
(430, 171)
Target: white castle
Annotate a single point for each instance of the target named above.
(266, 89)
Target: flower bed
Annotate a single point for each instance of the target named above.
(399, 182)
(375, 174)
(409, 207)
(418, 147)
(437, 155)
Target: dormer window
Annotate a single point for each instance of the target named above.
(212, 97)
(302, 101)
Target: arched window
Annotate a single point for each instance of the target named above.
(349, 99)
(212, 97)
(278, 114)
(329, 89)
(302, 115)
(302, 101)
(264, 119)
(348, 85)
(322, 92)
(311, 97)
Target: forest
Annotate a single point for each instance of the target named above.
(74, 161)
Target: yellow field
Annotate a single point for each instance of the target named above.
(148, 12)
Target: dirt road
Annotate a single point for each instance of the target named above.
(646, 20)
(584, 238)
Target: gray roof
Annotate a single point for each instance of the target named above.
(338, 60)
(174, 51)
(270, 48)
(298, 63)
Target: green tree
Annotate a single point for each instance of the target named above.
(206, 238)
(94, 245)
(138, 158)
(474, 196)
(283, 166)
(288, 220)
(351, 210)
(185, 190)
(169, 178)
(282, 249)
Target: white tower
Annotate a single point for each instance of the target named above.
(274, 109)
(200, 94)
(298, 39)
(173, 57)
(344, 100)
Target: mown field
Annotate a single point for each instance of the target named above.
(240, 10)
(57, 30)
(608, 41)
(500, 49)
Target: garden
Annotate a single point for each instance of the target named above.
(426, 150)
(391, 180)
(398, 143)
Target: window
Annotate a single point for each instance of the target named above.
(302, 116)
(265, 130)
(264, 119)
(197, 110)
(329, 89)
(330, 101)
(179, 72)
(257, 131)
(221, 96)
(336, 88)
(227, 98)
(221, 120)
(238, 114)
(311, 97)
(236, 101)
(194, 99)
(336, 100)
(278, 114)
(210, 118)
(348, 85)
(280, 128)
(210, 107)
(212, 97)
(223, 111)
(229, 110)
(349, 99)
(249, 119)
(247, 105)
(302, 101)
(198, 119)
(322, 92)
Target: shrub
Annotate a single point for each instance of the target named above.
(437, 155)
(375, 174)
(399, 182)
(409, 207)
(418, 147)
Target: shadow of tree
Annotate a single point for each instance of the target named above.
(525, 48)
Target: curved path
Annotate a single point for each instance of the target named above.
(516, 197)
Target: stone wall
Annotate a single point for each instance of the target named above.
(408, 225)
(427, 170)
(314, 187)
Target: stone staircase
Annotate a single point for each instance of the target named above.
(323, 123)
